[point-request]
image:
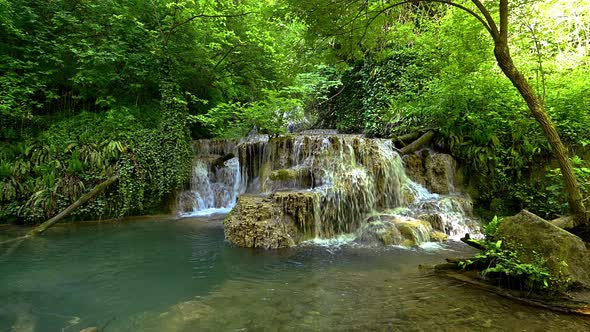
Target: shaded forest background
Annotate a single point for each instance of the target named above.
(90, 89)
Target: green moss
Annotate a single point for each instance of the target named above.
(436, 236)
(416, 231)
(391, 237)
(283, 175)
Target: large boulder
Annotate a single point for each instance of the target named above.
(280, 220)
(255, 223)
(532, 237)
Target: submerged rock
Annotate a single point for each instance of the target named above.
(534, 238)
(90, 329)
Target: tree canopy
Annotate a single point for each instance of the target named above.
(89, 89)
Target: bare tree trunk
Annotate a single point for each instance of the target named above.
(576, 204)
(85, 198)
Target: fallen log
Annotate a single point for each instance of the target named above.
(418, 143)
(81, 201)
(407, 137)
(472, 243)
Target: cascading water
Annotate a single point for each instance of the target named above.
(215, 182)
(299, 187)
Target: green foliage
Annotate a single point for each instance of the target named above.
(274, 110)
(89, 89)
(546, 194)
(42, 176)
(492, 227)
(270, 115)
(505, 267)
(437, 70)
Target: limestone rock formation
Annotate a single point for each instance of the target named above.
(255, 222)
(532, 237)
(435, 171)
(292, 188)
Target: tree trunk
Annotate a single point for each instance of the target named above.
(576, 204)
(417, 144)
(85, 198)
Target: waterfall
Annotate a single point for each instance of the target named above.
(316, 185)
(215, 182)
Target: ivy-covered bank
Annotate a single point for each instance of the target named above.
(43, 175)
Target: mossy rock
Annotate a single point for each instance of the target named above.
(294, 178)
(436, 236)
(302, 208)
(256, 222)
(534, 238)
(391, 237)
(379, 230)
(284, 175)
(414, 231)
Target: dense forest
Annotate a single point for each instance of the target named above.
(92, 89)
(364, 140)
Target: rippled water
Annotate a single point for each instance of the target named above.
(181, 276)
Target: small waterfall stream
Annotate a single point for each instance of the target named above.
(294, 188)
(216, 179)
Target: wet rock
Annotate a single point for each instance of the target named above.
(300, 177)
(395, 230)
(302, 208)
(414, 231)
(220, 162)
(456, 204)
(532, 238)
(391, 236)
(255, 223)
(436, 221)
(440, 172)
(280, 220)
(187, 201)
(435, 171)
(380, 232)
(414, 164)
(436, 236)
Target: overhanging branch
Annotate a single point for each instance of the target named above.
(488, 22)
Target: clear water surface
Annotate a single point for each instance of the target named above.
(180, 275)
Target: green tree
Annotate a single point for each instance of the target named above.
(360, 15)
